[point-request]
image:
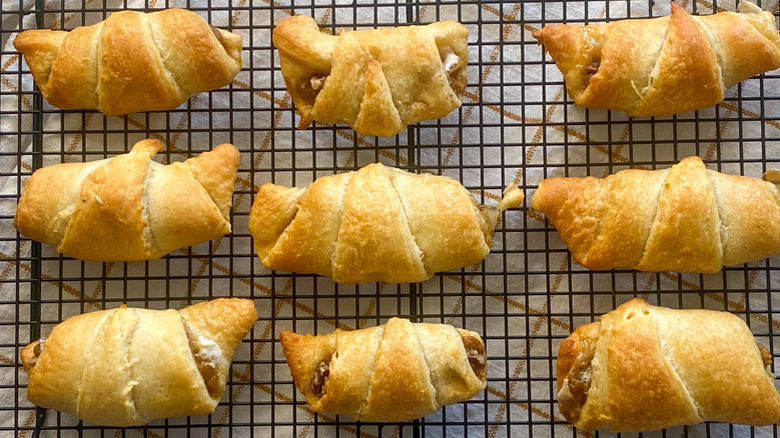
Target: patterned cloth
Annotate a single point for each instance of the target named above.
(516, 124)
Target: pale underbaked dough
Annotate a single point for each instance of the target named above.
(394, 372)
(684, 219)
(129, 207)
(666, 65)
(377, 81)
(643, 368)
(126, 366)
(376, 224)
(131, 62)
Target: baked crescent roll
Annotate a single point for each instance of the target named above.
(377, 81)
(126, 367)
(644, 368)
(129, 207)
(666, 65)
(684, 219)
(394, 372)
(376, 224)
(131, 62)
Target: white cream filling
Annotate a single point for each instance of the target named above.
(564, 394)
(209, 352)
(451, 61)
(317, 82)
(586, 375)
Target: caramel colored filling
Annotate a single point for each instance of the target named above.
(320, 378)
(591, 69)
(37, 351)
(309, 89)
(579, 381)
(475, 350)
(39, 347)
(206, 368)
(578, 384)
(217, 34)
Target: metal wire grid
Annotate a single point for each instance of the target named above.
(515, 124)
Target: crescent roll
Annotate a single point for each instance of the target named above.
(126, 367)
(377, 81)
(376, 224)
(643, 368)
(666, 65)
(684, 219)
(394, 372)
(131, 62)
(129, 207)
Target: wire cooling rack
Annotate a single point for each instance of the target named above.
(516, 124)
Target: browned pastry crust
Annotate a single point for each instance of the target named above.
(666, 65)
(126, 366)
(685, 219)
(643, 368)
(376, 81)
(129, 207)
(131, 62)
(377, 224)
(394, 372)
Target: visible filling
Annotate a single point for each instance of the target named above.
(217, 34)
(206, 354)
(766, 356)
(454, 66)
(489, 216)
(320, 378)
(475, 350)
(37, 351)
(593, 45)
(579, 381)
(591, 69)
(577, 384)
(317, 82)
(309, 89)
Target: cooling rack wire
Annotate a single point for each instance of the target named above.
(516, 124)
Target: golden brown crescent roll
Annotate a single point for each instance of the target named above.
(394, 372)
(377, 81)
(684, 219)
(666, 65)
(376, 224)
(126, 367)
(131, 62)
(129, 207)
(643, 368)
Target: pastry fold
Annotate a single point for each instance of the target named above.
(377, 81)
(666, 65)
(129, 207)
(394, 372)
(376, 224)
(126, 367)
(684, 219)
(131, 62)
(642, 368)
